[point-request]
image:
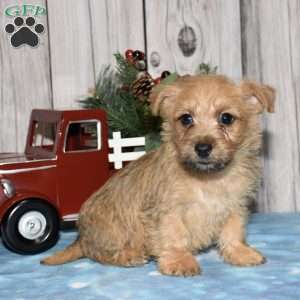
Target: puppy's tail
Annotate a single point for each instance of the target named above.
(71, 253)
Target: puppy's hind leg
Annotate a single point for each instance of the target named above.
(129, 257)
(116, 247)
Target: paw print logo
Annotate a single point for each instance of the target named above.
(24, 32)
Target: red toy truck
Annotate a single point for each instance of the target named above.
(65, 161)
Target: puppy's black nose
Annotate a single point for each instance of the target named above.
(203, 150)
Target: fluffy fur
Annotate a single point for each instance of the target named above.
(170, 203)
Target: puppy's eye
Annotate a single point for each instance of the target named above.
(226, 119)
(186, 120)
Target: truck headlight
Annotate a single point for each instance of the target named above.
(8, 188)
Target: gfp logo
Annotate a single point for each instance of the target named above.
(24, 30)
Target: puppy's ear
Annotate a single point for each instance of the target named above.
(260, 96)
(161, 97)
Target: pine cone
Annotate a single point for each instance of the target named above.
(141, 87)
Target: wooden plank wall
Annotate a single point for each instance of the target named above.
(251, 38)
(24, 83)
(271, 44)
(209, 31)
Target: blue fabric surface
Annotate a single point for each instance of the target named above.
(276, 235)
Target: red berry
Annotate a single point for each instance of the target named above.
(129, 54)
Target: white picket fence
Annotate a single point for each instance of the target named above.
(117, 142)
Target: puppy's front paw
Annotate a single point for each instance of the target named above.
(179, 264)
(242, 255)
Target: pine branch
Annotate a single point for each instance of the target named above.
(126, 72)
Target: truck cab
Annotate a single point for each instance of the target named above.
(65, 161)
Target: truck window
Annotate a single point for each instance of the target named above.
(43, 135)
(83, 136)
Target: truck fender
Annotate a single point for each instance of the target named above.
(23, 195)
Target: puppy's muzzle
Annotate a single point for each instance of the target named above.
(203, 150)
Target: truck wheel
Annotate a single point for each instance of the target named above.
(30, 227)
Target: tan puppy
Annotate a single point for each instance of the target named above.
(190, 193)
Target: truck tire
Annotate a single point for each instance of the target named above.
(30, 227)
